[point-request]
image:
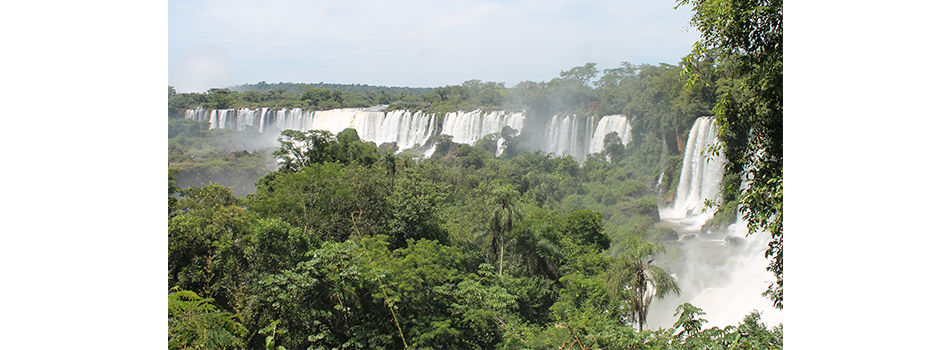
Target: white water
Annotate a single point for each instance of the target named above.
(406, 129)
(611, 123)
(577, 136)
(469, 127)
(699, 178)
(563, 135)
(569, 135)
(725, 277)
(724, 273)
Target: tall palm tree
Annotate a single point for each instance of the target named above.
(389, 160)
(538, 255)
(505, 213)
(633, 279)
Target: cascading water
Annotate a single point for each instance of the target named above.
(563, 137)
(723, 273)
(578, 137)
(469, 127)
(611, 123)
(699, 178)
(261, 119)
(406, 129)
(568, 135)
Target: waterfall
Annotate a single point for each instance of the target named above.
(406, 129)
(469, 127)
(699, 178)
(295, 119)
(608, 124)
(563, 139)
(262, 120)
(576, 136)
(245, 118)
(723, 272)
(664, 154)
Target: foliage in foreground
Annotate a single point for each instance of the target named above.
(195, 323)
(397, 254)
(745, 38)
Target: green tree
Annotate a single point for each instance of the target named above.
(613, 146)
(348, 148)
(584, 227)
(220, 98)
(389, 161)
(505, 212)
(443, 144)
(537, 254)
(745, 38)
(583, 74)
(299, 149)
(330, 200)
(201, 239)
(414, 210)
(307, 199)
(172, 190)
(484, 308)
(634, 279)
(689, 319)
(195, 323)
(419, 283)
(326, 301)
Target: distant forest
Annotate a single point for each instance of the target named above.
(300, 88)
(655, 95)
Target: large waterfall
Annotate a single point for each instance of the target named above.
(611, 123)
(568, 135)
(469, 127)
(724, 273)
(406, 129)
(699, 178)
(578, 136)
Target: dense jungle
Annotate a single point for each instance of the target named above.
(307, 239)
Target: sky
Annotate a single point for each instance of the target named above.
(419, 43)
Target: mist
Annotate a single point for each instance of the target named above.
(723, 273)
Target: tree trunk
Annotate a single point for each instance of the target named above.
(501, 255)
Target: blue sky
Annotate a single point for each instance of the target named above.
(215, 43)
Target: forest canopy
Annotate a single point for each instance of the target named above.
(310, 239)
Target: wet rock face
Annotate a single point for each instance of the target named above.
(388, 146)
(679, 142)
